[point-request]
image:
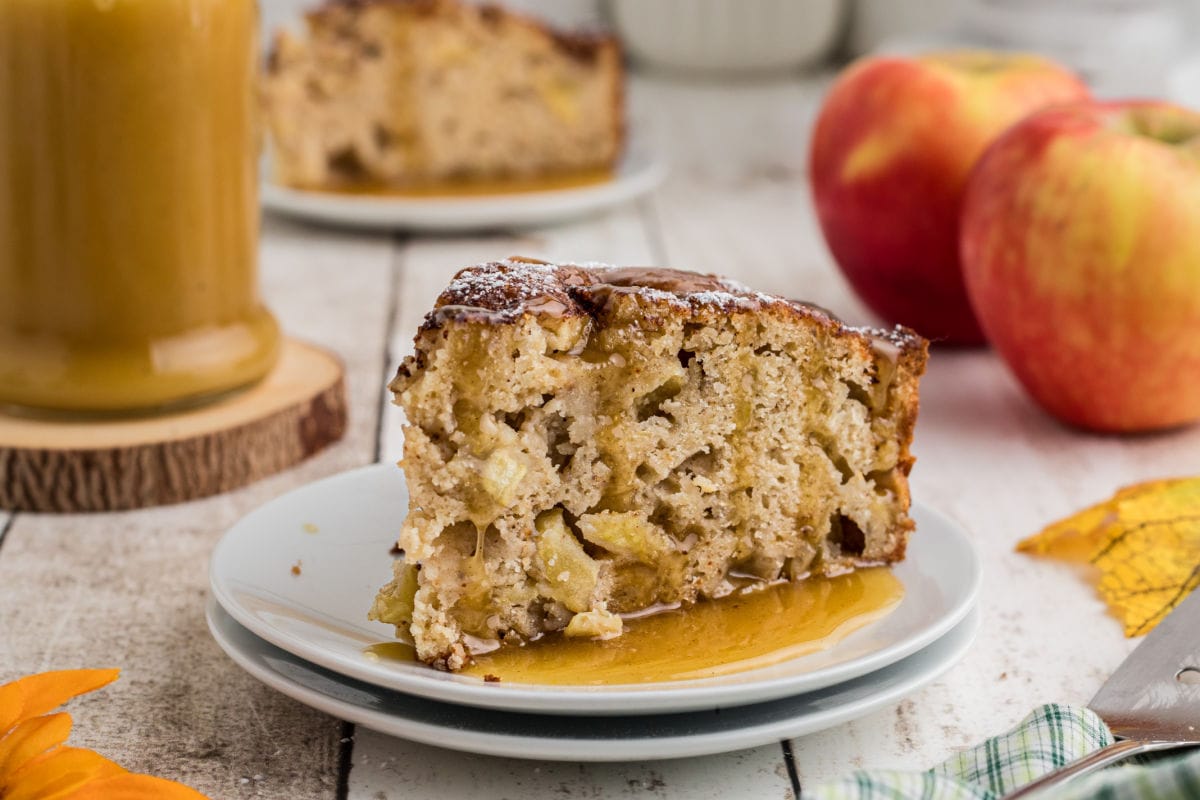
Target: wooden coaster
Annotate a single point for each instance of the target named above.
(51, 464)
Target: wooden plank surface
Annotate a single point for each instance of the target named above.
(391, 769)
(6, 520)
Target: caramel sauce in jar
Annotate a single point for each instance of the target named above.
(758, 626)
(128, 204)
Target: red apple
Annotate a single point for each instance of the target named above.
(1081, 253)
(894, 143)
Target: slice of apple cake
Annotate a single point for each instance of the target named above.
(584, 442)
(439, 93)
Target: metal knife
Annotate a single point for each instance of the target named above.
(1152, 701)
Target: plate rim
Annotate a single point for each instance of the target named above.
(958, 640)
(639, 172)
(674, 696)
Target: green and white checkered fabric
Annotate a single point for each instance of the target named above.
(1050, 737)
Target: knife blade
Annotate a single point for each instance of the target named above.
(1151, 703)
(1155, 692)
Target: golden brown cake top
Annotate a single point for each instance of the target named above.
(582, 45)
(502, 292)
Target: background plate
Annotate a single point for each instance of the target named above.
(639, 172)
(339, 531)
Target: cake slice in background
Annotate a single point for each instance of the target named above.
(419, 93)
(583, 442)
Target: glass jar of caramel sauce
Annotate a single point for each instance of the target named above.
(128, 204)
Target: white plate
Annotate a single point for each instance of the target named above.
(339, 531)
(638, 174)
(562, 738)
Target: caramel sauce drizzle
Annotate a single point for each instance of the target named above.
(759, 626)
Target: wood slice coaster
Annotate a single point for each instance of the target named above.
(52, 464)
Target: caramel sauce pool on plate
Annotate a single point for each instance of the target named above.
(747, 630)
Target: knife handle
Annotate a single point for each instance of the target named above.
(1117, 751)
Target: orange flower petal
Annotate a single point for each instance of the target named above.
(36, 765)
(135, 787)
(39, 694)
(30, 739)
(55, 775)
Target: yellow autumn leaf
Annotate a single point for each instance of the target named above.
(35, 762)
(1073, 537)
(1144, 543)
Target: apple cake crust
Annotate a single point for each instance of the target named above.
(584, 442)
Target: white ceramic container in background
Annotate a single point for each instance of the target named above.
(566, 14)
(1120, 47)
(1183, 83)
(728, 36)
(885, 24)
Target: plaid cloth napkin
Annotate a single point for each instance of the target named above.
(1050, 737)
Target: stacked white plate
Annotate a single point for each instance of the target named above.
(292, 582)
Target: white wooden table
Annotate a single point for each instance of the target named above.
(128, 589)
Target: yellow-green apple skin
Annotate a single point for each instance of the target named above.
(893, 145)
(1081, 254)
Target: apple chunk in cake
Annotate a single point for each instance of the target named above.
(585, 442)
